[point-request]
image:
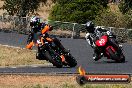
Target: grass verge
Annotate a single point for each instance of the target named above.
(45, 81)
(16, 56)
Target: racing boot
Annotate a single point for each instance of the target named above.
(96, 57)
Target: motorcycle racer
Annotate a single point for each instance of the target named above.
(39, 29)
(93, 34)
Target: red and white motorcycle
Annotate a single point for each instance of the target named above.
(109, 48)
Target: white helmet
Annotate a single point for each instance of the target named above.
(34, 21)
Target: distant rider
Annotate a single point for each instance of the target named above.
(39, 29)
(92, 36)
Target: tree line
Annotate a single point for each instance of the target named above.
(78, 11)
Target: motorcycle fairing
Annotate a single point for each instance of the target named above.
(102, 41)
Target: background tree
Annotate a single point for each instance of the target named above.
(21, 7)
(111, 19)
(125, 6)
(77, 10)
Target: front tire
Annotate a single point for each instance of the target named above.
(117, 58)
(71, 60)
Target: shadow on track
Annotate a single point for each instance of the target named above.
(108, 62)
(56, 67)
(114, 62)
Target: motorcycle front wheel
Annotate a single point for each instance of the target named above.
(71, 60)
(55, 60)
(118, 58)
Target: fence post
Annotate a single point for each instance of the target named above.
(73, 30)
(129, 34)
(110, 28)
(2, 22)
(14, 23)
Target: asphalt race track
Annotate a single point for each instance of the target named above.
(79, 49)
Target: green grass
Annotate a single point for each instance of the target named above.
(77, 86)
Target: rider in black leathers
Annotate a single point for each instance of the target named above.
(92, 36)
(40, 29)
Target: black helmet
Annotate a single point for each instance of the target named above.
(90, 27)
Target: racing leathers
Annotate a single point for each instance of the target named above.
(92, 37)
(34, 38)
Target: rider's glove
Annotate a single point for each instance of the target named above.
(109, 33)
(39, 42)
(51, 28)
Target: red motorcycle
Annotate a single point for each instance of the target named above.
(110, 48)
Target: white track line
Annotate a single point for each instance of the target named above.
(33, 65)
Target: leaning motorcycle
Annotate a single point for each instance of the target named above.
(110, 48)
(54, 54)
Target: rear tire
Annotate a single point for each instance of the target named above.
(118, 59)
(56, 61)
